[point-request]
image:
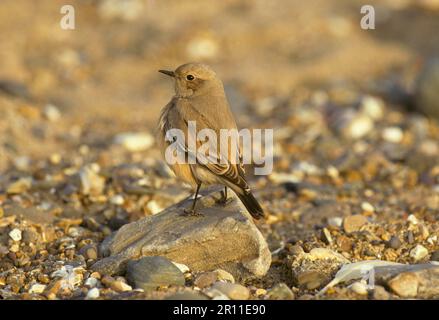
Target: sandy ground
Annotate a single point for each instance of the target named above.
(304, 68)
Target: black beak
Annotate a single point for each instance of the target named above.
(168, 73)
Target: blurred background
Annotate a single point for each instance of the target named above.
(102, 77)
(355, 117)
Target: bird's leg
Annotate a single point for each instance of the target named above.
(223, 201)
(192, 212)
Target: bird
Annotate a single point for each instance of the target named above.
(200, 97)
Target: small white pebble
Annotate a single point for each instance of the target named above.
(332, 172)
(182, 267)
(335, 221)
(91, 282)
(412, 219)
(432, 240)
(117, 200)
(125, 287)
(359, 288)
(154, 207)
(93, 293)
(392, 134)
(37, 288)
(373, 107)
(51, 113)
(15, 234)
(366, 206)
(419, 252)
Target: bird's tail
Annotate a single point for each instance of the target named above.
(251, 204)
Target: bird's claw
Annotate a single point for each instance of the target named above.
(191, 213)
(224, 201)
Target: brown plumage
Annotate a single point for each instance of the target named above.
(200, 97)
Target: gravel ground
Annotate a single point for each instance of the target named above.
(355, 173)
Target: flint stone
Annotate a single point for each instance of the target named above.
(427, 89)
(418, 280)
(149, 273)
(223, 237)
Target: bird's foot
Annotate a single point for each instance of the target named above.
(191, 213)
(224, 201)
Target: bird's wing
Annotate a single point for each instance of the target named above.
(218, 160)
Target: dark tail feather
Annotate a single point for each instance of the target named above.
(251, 204)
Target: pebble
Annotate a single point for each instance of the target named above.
(380, 293)
(410, 237)
(223, 275)
(373, 107)
(37, 288)
(405, 285)
(260, 292)
(393, 134)
(215, 294)
(280, 292)
(117, 200)
(134, 141)
(148, 273)
(127, 10)
(93, 293)
(354, 223)
(359, 126)
(91, 282)
(412, 219)
(20, 186)
(326, 236)
(22, 163)
(91, 182)
(426, 89)
(202, 48)
(205, 279)
(312, 279)
(366, 206)
(418, 253)
(232, 290)
(359, 288)
(183, 268)
(120, 286)
(51, 113)
(325, 253)
(335, 222)
(435, 256)
(187, 295)
(15, 234)
(89, 252)
(394, 242)
(344, 243)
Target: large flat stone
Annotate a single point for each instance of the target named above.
(224, 237)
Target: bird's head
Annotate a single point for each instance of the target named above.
(194, 79)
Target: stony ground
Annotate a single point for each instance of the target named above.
(355, 174)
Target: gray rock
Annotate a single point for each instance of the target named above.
(418, 280)
(427, 90)
(435, 256)
(223, 237)
(148, 273)
(405, 285)
(187, 295)
(354, 223)
(232, 290)
(89, 251)
(281, 292)
(380, 293)
(394, 242)
(205, 279)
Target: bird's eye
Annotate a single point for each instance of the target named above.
(190, 77)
